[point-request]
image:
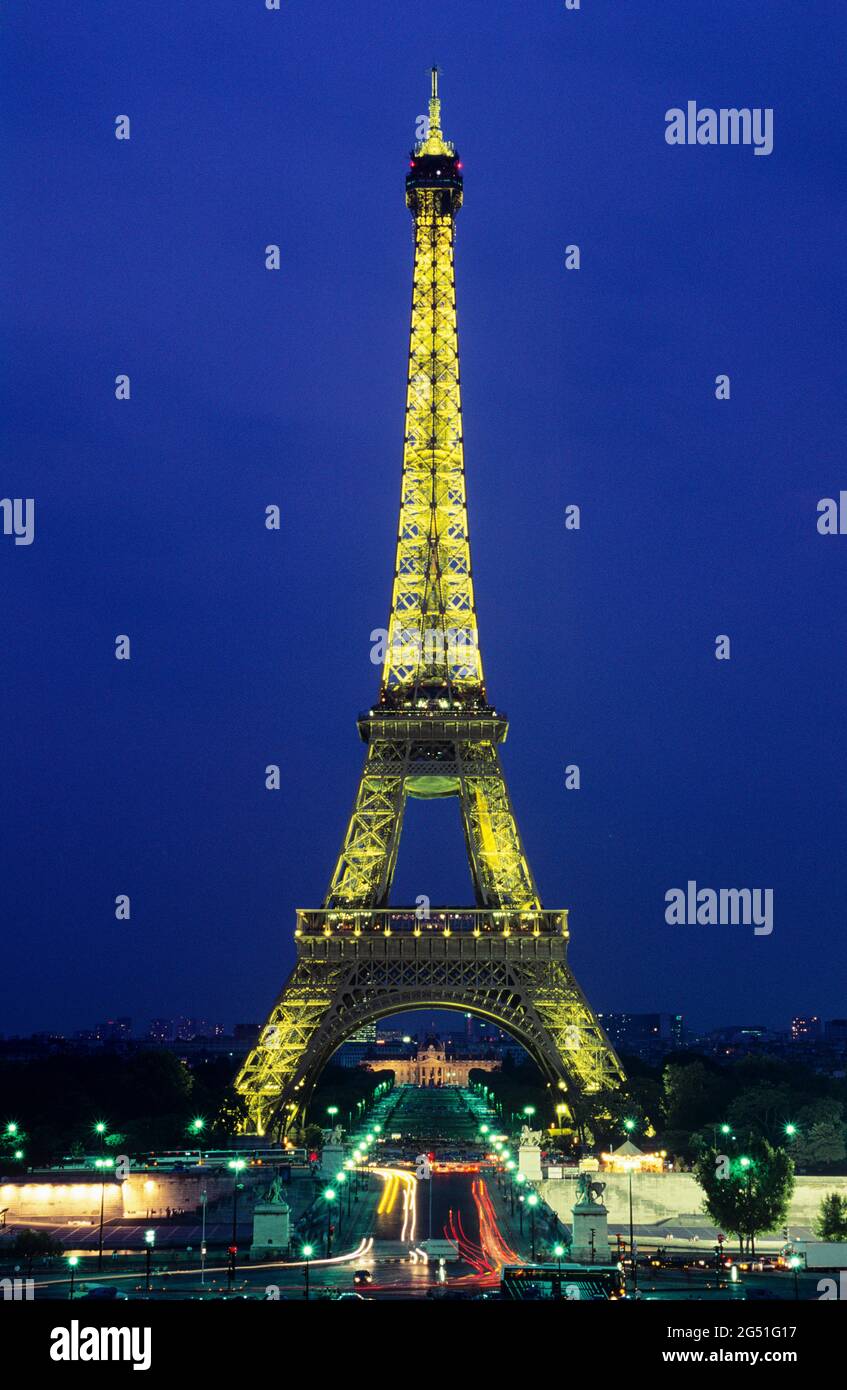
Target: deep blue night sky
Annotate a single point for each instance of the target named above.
(251, 387)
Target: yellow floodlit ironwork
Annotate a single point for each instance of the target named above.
(432, 733)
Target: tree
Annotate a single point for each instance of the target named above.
(831, 1222)
(823, 1144)
(313, 1137)
(759, 1109)
(748, 1194)
(694, 1095)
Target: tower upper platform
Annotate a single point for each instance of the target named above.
(434, 164)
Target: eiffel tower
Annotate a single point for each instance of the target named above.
(431, 734)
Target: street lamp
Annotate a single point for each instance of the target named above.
(236, 1164)
(100, 1128)
(329, 1198)
(204, 1197)
(73, 1261)
(794, 1264)
(150, 1241)
(101, 1163)
(532, 1203)
(790, 1130)
(340, 1178)
(632, 1251)
(746, 1165)
(307, 1253)
(198, 1124)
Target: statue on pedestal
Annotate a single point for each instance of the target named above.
(589, 1193)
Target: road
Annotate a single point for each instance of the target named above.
(381, 1220)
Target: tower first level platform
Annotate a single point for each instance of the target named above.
(353, 967)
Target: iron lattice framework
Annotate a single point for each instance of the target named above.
(431, 734)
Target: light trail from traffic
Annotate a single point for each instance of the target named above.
(395, 1179)
(364, 1247)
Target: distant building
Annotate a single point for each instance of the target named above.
(806, 1029)
(352, 1054)
(644, 1034)
(113, 1029)
(431, 1065)
(365, 1034)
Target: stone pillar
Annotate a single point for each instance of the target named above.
(332, 1159)
(588, 1217)
(271, 1229)
(529, 1161)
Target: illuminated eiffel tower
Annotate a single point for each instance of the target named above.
(431, 734)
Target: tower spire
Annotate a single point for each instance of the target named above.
(434, 106)
(434, 142)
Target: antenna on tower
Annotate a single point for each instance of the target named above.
(434, 105)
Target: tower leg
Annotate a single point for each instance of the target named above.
(269, 1072)
(365, 867)
(500, 869)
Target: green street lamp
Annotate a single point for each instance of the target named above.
(196, 1127)
(790, 1130)
(629, 1126)
(558, 1251)
(307, 1252)
(12, 1127)
(102, 1163)
(341, 1178)
(746, 1164)
(532, 1203)
(236, 1164)
(150, 1241)
(73, 1261)
(794, 1264)
(329, 1197)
